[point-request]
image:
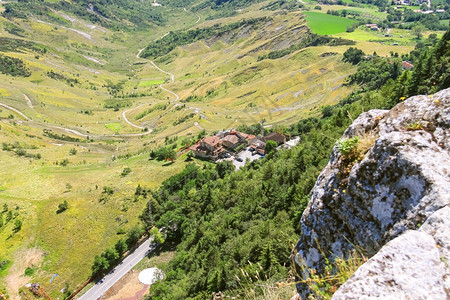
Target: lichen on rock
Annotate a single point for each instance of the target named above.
(393, 198)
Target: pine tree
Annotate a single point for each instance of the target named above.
(443, 47)
(416, 78)
(268, 260)
(400, 90)
(428, 69)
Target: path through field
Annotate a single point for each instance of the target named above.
(86, 135)
(172, 79)
(30, 105)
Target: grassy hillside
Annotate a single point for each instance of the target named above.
(79, 105)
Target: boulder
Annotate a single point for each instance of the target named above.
(394, 198)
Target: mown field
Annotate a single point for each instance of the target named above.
(327, 24)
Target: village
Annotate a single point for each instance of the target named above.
(237, 147)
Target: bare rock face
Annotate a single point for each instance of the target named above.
(410, 266)
(396, 196)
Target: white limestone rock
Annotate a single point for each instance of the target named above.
(400, 185)
(408, 267)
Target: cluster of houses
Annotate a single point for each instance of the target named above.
(373, 27)
(221, 144)
(408, 2)
(418, 2)
(430, 11)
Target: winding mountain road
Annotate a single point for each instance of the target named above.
(128, 121)
(85, 135)
(172, 79)
(69, 130)
(124, 114)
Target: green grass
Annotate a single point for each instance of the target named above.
(146, 83)
(323, 24)
(114, 126)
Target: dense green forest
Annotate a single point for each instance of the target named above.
(226, 224)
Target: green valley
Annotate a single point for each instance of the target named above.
(101, 100)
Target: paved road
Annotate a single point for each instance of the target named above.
(118, 272)
(172, 79)
(128, 121)
(76, 132)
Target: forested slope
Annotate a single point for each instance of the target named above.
(231, 226)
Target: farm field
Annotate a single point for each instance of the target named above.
(327, 24)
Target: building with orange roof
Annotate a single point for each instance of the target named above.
(209, 147)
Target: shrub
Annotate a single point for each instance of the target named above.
(125, 172)
(62, 207)
(64, 162)
(348, 146)
(413, 126)
(353, 55)
(17, 225)
(353, 150)
(29, 271)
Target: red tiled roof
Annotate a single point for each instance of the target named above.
(212, 140)
(407, 65)
(231, 139)
(197, 147)
(276, 137)
(244, 135)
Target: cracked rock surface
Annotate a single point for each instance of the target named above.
(393, 203)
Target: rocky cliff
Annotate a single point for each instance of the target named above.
(391, 199)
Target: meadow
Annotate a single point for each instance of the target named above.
(327, 24)
(146, 83)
